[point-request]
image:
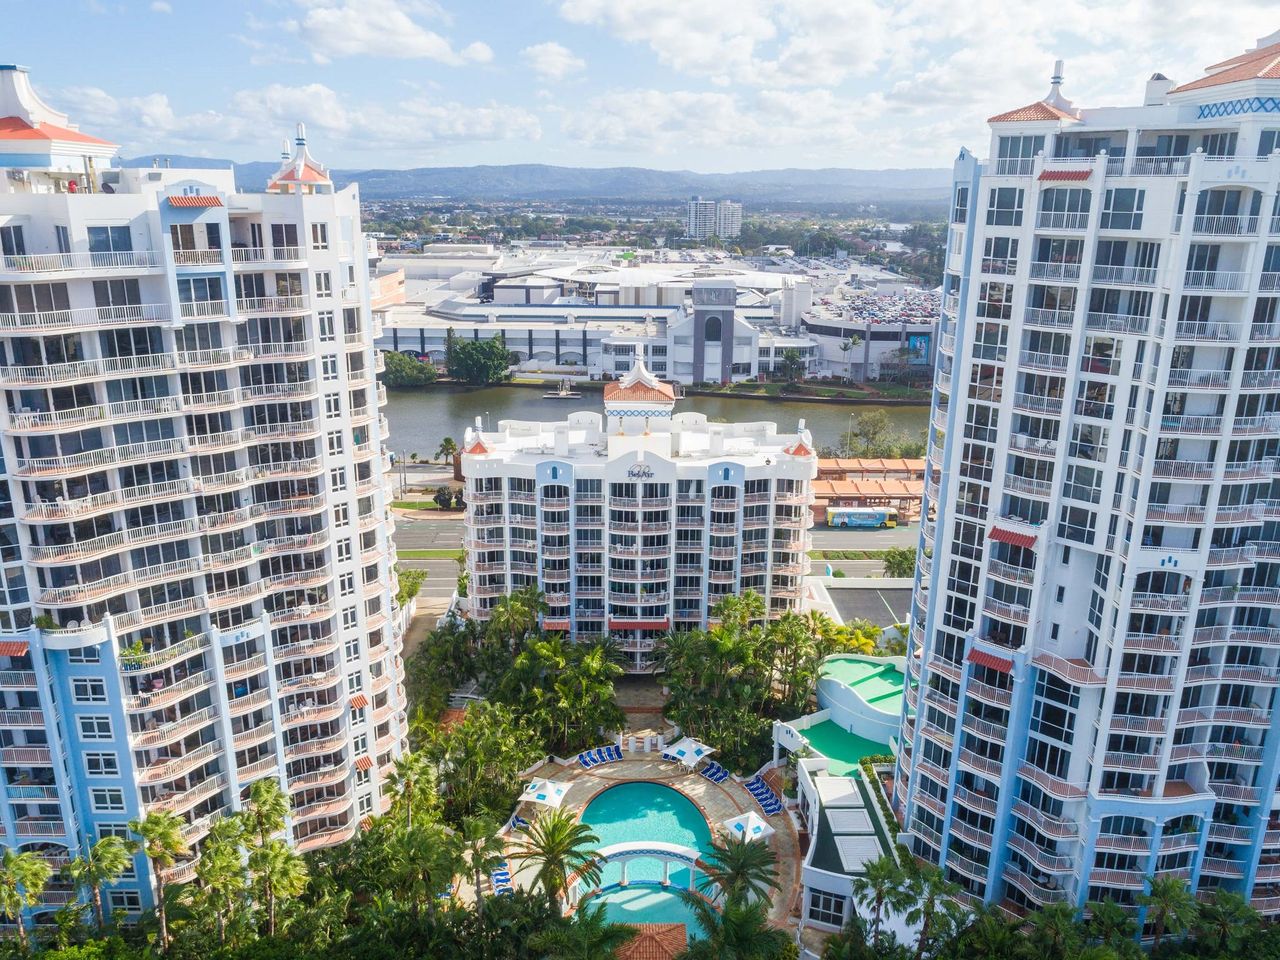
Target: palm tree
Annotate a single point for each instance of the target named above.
(422, 863)
(266, 810)
(884, 885)
(743, 869)
(738, 931)
(406, 782)
(279, 873)
(558, 847)
(160, 840)
(104, 863)
(1110, 924)
(1055, 935)
(22, 880)
(1226, 921)
(991, 937)
(1171, 908)
(932, 904)
(447, 449)
(221, 875)
(482, 850)
(589, 937)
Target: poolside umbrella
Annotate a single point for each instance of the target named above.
(550, 792)
(689, 751)
(748, 826)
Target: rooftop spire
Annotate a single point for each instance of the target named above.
(301, 139)
(285, 153)
(1055, 97)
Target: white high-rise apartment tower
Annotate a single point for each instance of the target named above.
(1096, 625)
(713, 218)
(196, 571)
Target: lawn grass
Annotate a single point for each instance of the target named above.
(415, 505)
(429, 554)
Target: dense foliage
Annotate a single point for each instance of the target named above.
(405, 371)
(872, 434)
(477, 362)
(727, 684)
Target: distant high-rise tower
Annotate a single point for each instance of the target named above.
(197, 584)
(713, 218)
(1096, 625)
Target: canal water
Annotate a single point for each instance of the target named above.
(420, 419)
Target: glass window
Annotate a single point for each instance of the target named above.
(1004, 207)
(1122, 209)
(826, 908)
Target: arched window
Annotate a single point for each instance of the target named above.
(712, 329)
(555, 473)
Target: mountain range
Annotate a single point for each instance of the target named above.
(536, 181)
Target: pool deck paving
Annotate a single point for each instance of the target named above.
(716, 801)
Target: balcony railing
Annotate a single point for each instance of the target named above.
(1222, 280)
(85, 318)
(126, 261)
(1129, 276)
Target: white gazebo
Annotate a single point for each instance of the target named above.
(548, 792)
(748, 826)
(689, 751)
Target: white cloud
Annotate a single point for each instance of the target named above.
(161, 6)
(332, 29)
(551, 60)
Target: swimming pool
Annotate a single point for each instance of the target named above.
(644, 810)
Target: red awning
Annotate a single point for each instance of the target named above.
(13, 648)
(366, 823)
(1001, 535)
(194, 200)
(359, 701)
(364, 763)
(983, 659)
(639, 624)
(1065, 174)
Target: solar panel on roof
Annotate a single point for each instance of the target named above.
(850, 821)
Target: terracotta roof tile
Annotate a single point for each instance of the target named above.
(1261, 64)
(656, 941)
(639, 393)
(1032, 111)
(15, 128)
(1065, 174)
(476, 448)
(798, 449)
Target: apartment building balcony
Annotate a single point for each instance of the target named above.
(1237, 716)
(1229, 752)
(1049, 362)
(167, 695)
(83, 371)
(1173, 513)
(1187, 331)
(1062, 220)
(1144, 682)
(324, 776)
(172, 768)
(272, 306)
(17, 680)
(1241, 596)
(1190, 426)
(315, 745)
(246, 739)
(1125, 879)
(79, 319)
(1035, 446)
(1219, 225)
(1115, 275)
(46, 266)
(1255, 426)
(1117, 323)
(1040, 891)
(21, 719)
(40, 827)
(1078, 672)
(1058, 828)
(325, 838)
(203, 310)
(154, 735)
(182, 800)
(322, 808)
(1220, 281)
(1040, 857)
(1257, 675)
(245, 668)
(1136, 762)
(1006, 611)
(71, 465)
(998, 696)
(44, 421)
(1055, 270)
(108, 586)
(1028, 485)
(1054, 786)
(1222, 867)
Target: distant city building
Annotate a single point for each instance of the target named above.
(713, 218)
(198, 586)
(638, 522)
(1096, 622)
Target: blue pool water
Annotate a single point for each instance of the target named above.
(642, 810)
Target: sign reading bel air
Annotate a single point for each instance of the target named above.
(640, 471)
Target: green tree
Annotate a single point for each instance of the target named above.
(933, 907)
(1225, 923)
(413, 785)
(478, 362)
(423, 863)
(515, 615)
(1171, 907)
(443, 497)
(482, 851)
(403, 371)
(482, 758)
(743, 869)
(884, 886)
(792, 365)
(1055, 935)
(278, 874)
(558, 847)
(899, 562)
(737, 931)
(265, 812)
(105, 861)
(160, 840)
(1110, 924)
(447, 450)
(22, 880)
(221, 876)
(588, 936)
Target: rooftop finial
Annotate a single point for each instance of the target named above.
(285, 152)
(1055, 97)
(302, 135)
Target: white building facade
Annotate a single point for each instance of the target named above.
(198, 585)
(713, 218)
(1095, 634)
(636, 523)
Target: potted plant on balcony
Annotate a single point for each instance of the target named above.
(45, 622)
(132, 655)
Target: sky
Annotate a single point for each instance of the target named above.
(706, 85)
